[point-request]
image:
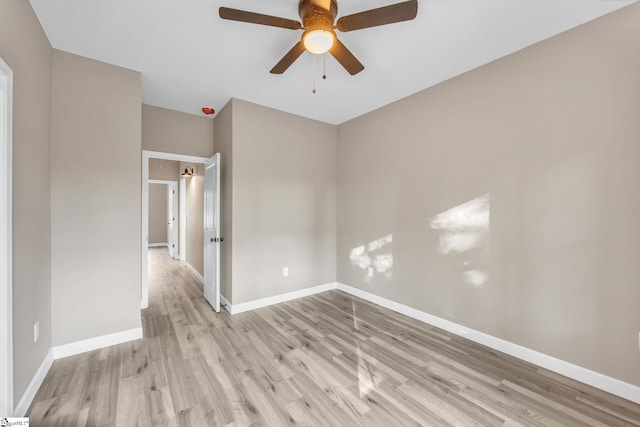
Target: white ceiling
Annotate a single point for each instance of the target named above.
(190, 58)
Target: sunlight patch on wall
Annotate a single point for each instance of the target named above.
(463, 231)
(475, 277)
(463, 227)
(359, 257)
(376, 254)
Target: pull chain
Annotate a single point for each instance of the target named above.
(324, 71)
(314, 75)
(324, 66)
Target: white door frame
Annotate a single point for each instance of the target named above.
(6, 279)
(182, 218)
(144, 238)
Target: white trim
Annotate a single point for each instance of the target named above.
(162, 181)
(225, 304)
(144, 238)
(144, 270)
(173, 156)
(95, 343)
(595, 379)
(34, 385)
(6, 246)
(158, 245)
(182, 218)
(277, 299)
(194, 272)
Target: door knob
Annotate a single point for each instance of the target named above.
(213, 240)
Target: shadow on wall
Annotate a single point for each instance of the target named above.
(463, 233)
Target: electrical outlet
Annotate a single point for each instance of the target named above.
(285, 272)
(370, 272)
(36, 331)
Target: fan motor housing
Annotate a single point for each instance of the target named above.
(315, 16)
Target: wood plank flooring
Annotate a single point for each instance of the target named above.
(325, 360)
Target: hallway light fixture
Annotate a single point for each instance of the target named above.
(188, 172)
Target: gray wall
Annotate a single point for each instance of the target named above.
(284, 202)
(95, 198)
(157, 213)
(171, 131)
(223, 128)
(507, 199)
(25, 48)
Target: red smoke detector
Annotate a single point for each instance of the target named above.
(208, 110)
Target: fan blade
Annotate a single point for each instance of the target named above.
(345, 57)
(398, 12)
(258, 18)
(288, 59)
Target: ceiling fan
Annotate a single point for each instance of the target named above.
(318, 17)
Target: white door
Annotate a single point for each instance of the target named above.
(212, 237)
(172, 220)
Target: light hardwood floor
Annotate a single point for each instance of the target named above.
(325, 360)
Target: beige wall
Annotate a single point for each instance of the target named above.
(223, 128)
(168, 170)
(284, 202)
(96, 200)
(25, 48)
(171, 131)
(195, 218)
(507, 200)
(157, 213)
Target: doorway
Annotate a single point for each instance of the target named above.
(165, 213)
(182, 241)
(6, 308)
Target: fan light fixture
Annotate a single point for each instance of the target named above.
(319, 24)
(318, 41)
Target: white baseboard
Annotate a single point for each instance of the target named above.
(225, 304)
(34, 385)
(158, 245)
(264, 302)
(95, 343)
(194, 272)
(578, 373)
(70, 349)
